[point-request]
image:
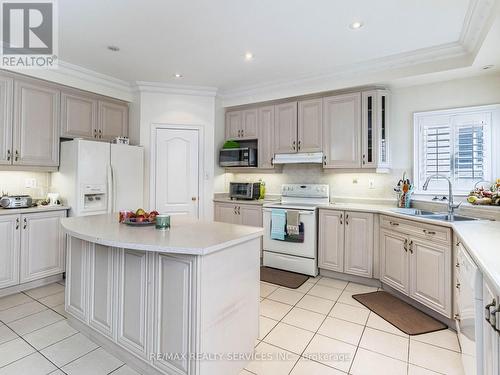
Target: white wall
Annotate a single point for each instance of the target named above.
(471, 91)
(14, 182)
(179, 109)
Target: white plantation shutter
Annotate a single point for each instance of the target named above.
(454, 145)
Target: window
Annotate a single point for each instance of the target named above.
(456, 144)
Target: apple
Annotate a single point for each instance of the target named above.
(140, 219)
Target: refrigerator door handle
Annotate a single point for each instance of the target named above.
(110, 189)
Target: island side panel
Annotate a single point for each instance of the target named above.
(229, 288)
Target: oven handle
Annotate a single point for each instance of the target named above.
(300, 212)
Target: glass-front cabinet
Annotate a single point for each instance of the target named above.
(375, 131)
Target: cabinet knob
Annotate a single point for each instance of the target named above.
(8, 155)
(410, 246)
(456, 317)
(487, 311)
(347, 219)
(16, 156)
(405, 245)
(100, 134)
(95, 133)
(324, 159)
(457, 286)
(17, 223)
(293, 145)
(429, 232)
(300, 144)
(393, 223)
(25, 223)
(341, 217)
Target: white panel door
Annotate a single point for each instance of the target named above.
(358, 252)
(342, 131)
(331, 240)
(177, 171)
(42, 245)
(9, 255)
(127, 169)
(394, 266)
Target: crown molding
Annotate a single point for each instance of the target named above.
(477, 23)
(176, 89)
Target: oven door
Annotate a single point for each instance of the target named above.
(306, 249)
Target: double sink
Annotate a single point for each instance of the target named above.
(432, 215)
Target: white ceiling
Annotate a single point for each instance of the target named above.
(206, 40)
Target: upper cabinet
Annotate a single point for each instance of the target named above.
(310, 126)
(78, 115)
(36, 124)
(113, 120)
(285, 128)
(375, 129)
(342, 131)
(242, 124)
(6, 120)
(265, 137)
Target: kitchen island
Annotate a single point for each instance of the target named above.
(180, 301)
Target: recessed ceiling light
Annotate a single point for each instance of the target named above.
(249, 56)
(356, 25)
(114, 48)
(486, 67)
(178, 75)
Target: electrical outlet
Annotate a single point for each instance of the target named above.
(355, 180)
(30, 183)
(371, 184)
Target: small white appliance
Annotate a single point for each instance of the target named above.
(98, 177)
(16, 201)
(296, 256)
(469, 320)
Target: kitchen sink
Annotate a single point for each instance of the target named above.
(433, 215)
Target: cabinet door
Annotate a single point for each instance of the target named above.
(358, 244)
(430, 275)
(225, 213)
(174, 315)
(370, 129)
(36, 124)
(6, 120)
(132, 297)
(310, 126)
(78, 115)
(491, 360)
(234, 124)
(285, 128)
(394, 260)
(342, 131)
(9, 256)
(266, 137)
(113, 120)
(102, 288)
(331, 240)
(250, 215)
(249, 128)
(42, 245)
(76, 278)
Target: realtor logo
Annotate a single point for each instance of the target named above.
(28, 34)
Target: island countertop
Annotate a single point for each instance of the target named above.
(186, 236)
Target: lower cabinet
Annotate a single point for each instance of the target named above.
(417, 265)
(243, 214)
(346, 242)
(32, 247)
(491, 335)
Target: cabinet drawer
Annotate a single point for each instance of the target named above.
(417, 229)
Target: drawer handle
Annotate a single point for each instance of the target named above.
(8, 155)
(457, 265)
(16, 156)
(25, 223)
(324, 159)
(341, 217)
(429, 232)
(458, 243)
(457, 286)
(347, 219)
(393, 223)
(456, 317)
(17, 223)
(410, 246)
(405, 246)
(487, 311)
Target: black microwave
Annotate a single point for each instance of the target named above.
(238, 157)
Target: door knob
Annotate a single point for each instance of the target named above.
(193, 199)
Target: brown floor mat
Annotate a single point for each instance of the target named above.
(400, 314)
(284, 278)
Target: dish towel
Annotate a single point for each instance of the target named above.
(292, 223)
(278, 223)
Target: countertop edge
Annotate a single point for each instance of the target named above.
(32, 210)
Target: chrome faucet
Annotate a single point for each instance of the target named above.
(451, 206)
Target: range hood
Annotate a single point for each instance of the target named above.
(299, 158)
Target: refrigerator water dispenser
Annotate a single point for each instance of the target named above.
(94, 198)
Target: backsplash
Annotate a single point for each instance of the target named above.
(345, 185)
(15, 182)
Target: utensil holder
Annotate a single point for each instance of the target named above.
(404, 199)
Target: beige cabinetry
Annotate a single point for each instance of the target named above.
(342, 131)
(113, 119)
(242, 124)
(36, 124)
(375, 132)
(491, 327)
(265, 136)
(285, 128)
(415, 259)
(237, 213)
(32, 247)
(346, 242)
(78, 115)
(6, 87)
(310, 125)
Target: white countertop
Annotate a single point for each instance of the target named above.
(30, 210)
(258, 202)
(480, 237)
(186, 236)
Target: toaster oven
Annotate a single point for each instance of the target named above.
(244, 190)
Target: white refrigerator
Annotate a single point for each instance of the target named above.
(98, 177)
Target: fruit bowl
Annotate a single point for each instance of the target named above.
(138, 217)
(133, 222)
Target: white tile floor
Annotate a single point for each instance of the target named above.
(36, 340)
(318, 329)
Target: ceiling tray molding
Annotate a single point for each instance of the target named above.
(177, 89)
